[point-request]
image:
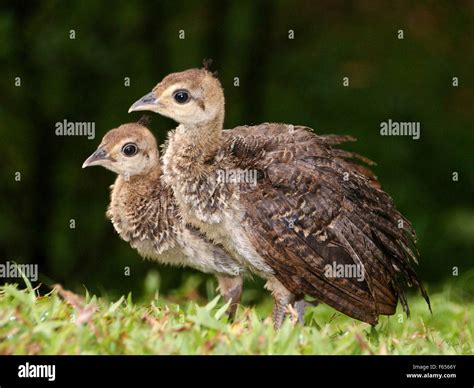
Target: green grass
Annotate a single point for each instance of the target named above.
(65, 323)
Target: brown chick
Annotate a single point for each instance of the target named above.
(144, 212)
(311, 208)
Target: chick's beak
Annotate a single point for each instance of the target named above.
(97, 158)
(147, 102)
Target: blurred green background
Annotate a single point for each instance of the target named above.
(298, 81)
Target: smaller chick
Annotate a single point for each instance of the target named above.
(144, 212)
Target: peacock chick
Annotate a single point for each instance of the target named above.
(144, 212)
(312, 221)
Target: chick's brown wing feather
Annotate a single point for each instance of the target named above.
(305, 215)
(300, 256)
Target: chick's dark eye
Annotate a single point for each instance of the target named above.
(129, 149)
(181, 96)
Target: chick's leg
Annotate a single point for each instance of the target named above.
(300, 307)
(230, 287)
(282, 298)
